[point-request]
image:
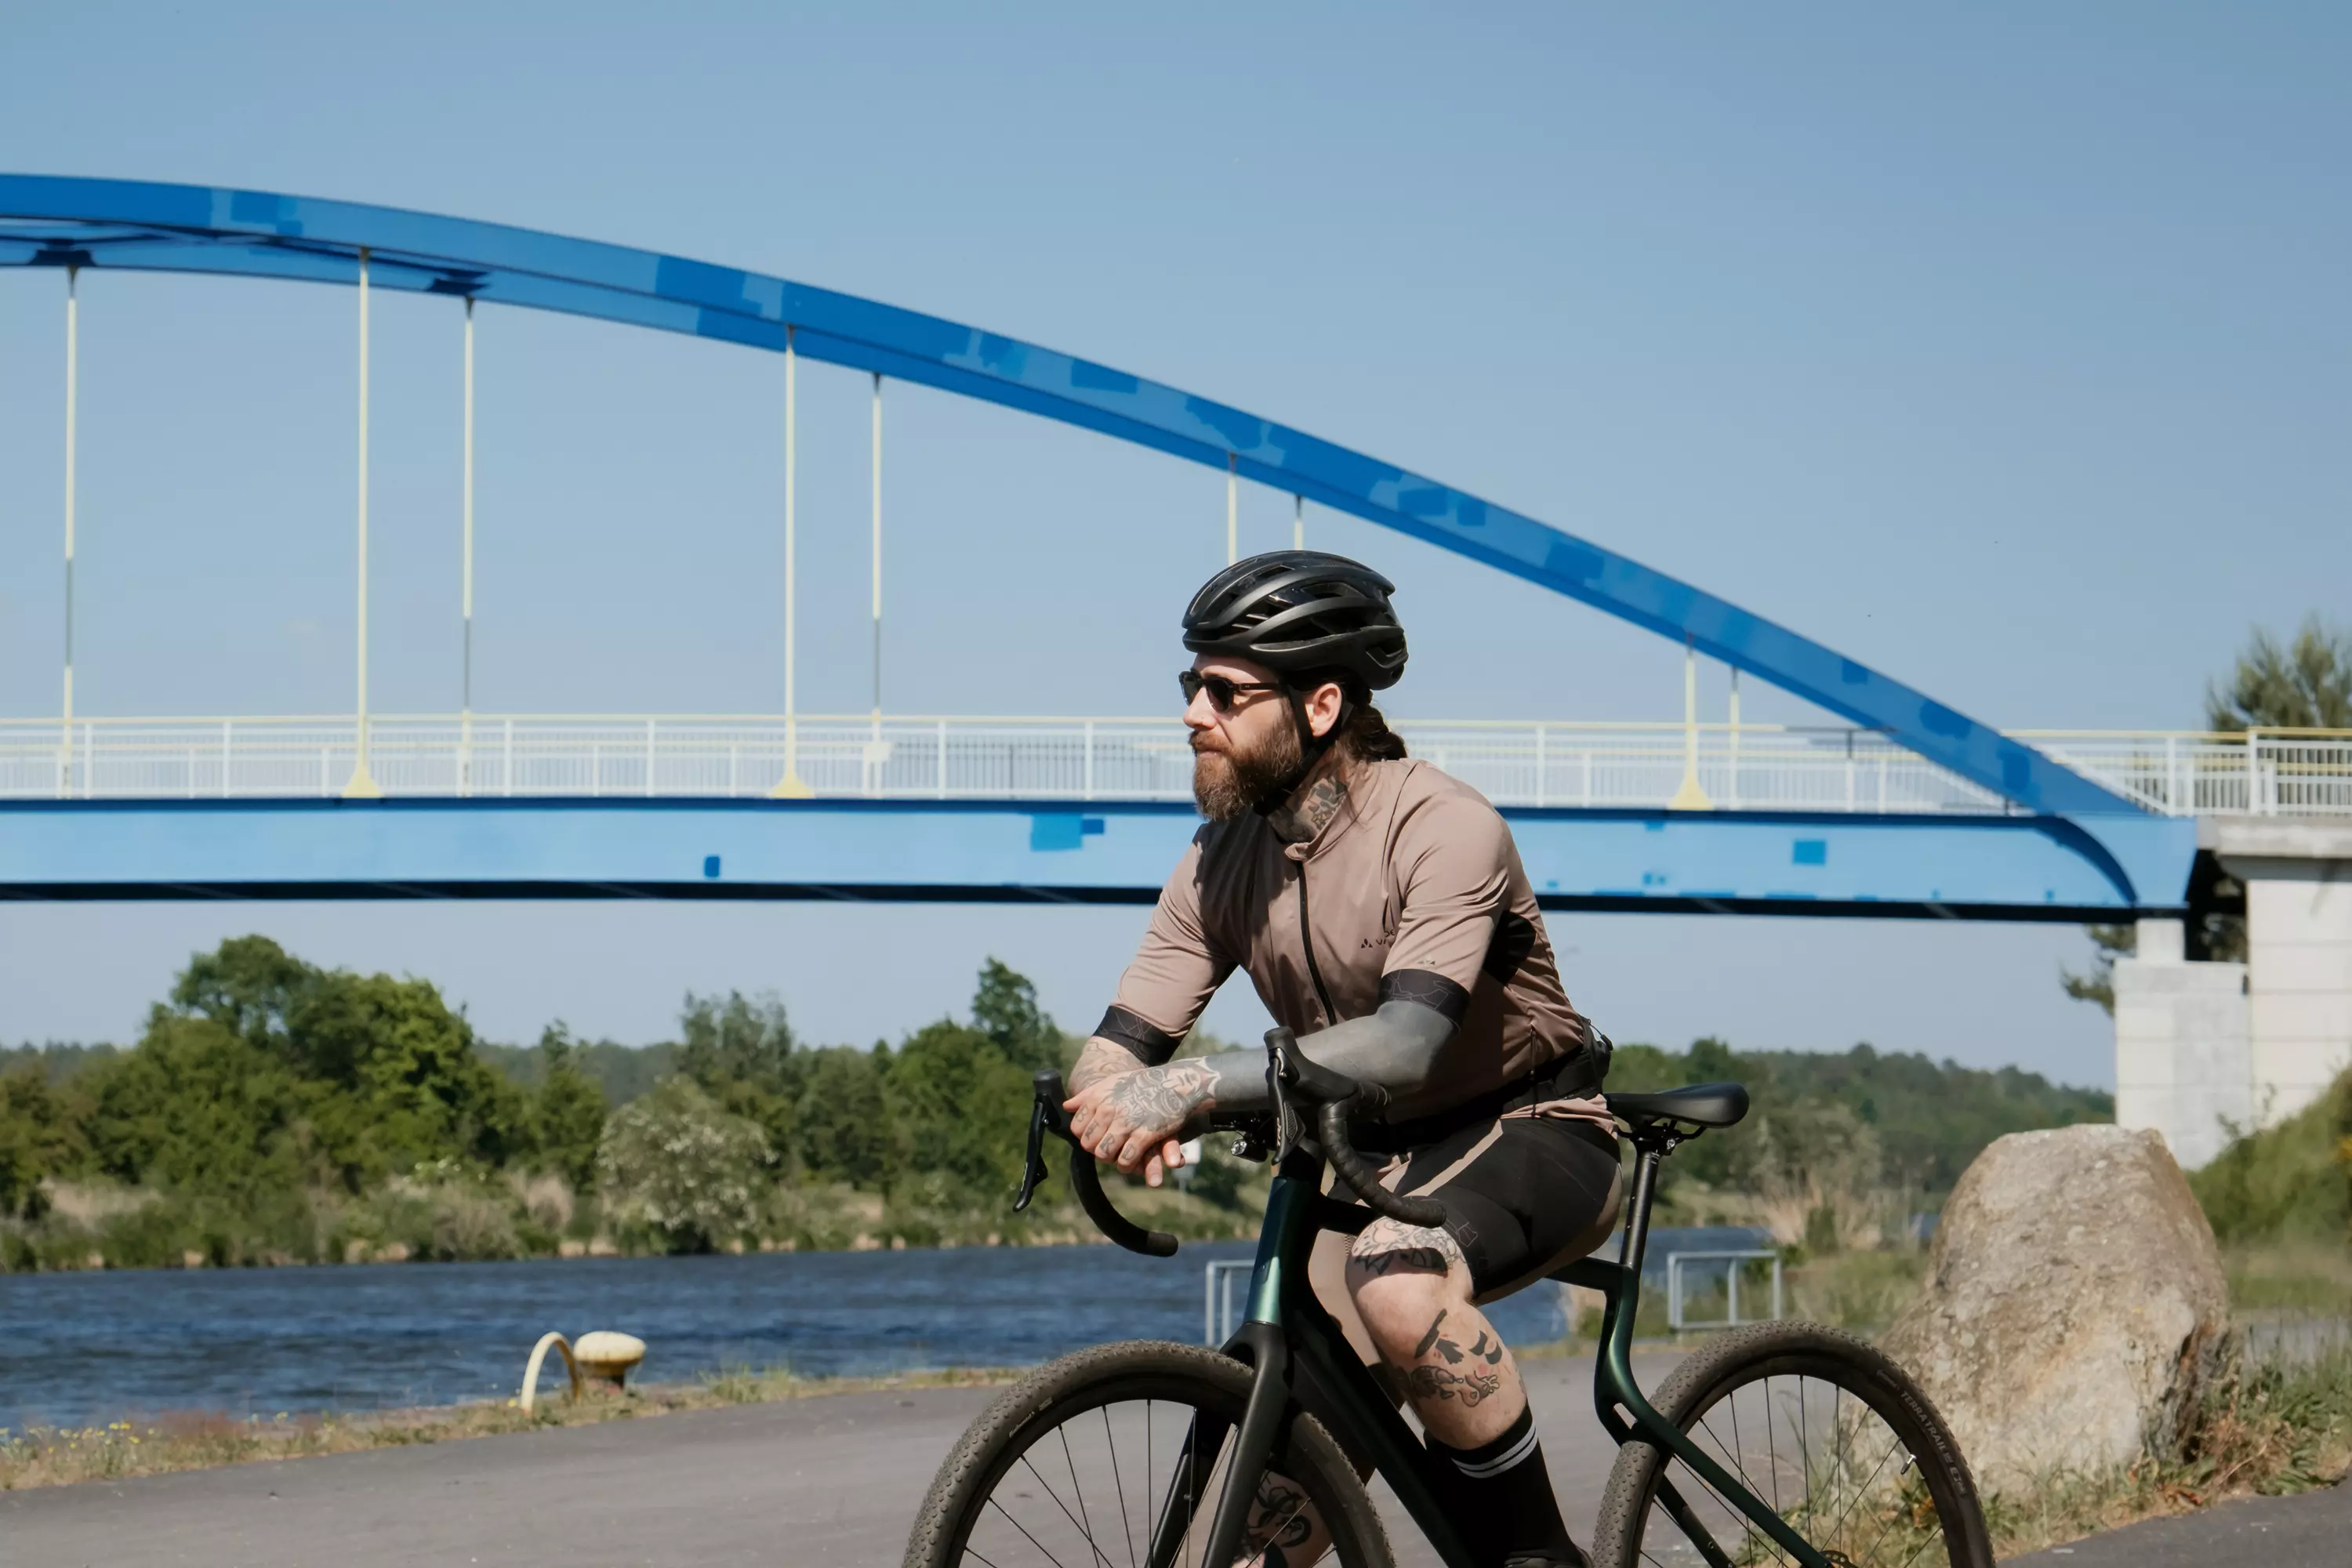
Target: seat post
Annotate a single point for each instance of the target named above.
(1637, 1220)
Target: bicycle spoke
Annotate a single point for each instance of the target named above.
(1709, 1489)
(1083, 1530)
(1910, 1461)
(1771, 1448)
(1934, 1536)
(1024, 1531)
(1804, 1444)
(1271, 1534)
(1086, 1524)
(1863, 1490)
(1739, 1468)
(1111, 1444)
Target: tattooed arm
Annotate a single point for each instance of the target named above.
(1395, 1050)
(1101, 1058)
(1137, 1119)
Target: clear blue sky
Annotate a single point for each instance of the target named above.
(2006, 351)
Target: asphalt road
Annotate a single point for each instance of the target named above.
(810, 1484)
(2310, 1531)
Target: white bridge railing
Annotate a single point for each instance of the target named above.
(1513, 763)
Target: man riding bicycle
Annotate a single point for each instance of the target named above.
(1382, 912)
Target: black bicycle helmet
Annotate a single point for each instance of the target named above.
(1301, 612)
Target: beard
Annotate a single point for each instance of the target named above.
(1227, 782)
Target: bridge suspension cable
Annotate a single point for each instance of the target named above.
(363, 785)
(73, 379)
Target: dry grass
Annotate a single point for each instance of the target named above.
(2280, 1428)
(53, 1456)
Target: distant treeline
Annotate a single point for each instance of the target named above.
(1923, 1121)
(275, 1110)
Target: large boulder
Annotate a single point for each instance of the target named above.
(2074, 1311)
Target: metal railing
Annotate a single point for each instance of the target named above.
(1678, 1319)
(1219, 1316)
(1512, 763)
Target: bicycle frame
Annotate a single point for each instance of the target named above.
(1287, 1328)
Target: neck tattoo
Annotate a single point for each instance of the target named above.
(1304, 815)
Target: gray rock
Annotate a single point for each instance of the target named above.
(2074, 1311)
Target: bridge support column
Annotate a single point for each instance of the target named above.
(2298, 880)
(2182, 1063)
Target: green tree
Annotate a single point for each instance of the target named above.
(842, 1119)
(567, 1110)
(354, 1077)
(2302, 685)
(40, 1137)
(2097, 983)
(1004, 1007)
(743, 1053)
(681, 1164)
(959, 1109)
(199, 1107)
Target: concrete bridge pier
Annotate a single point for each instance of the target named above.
(2203, 1048)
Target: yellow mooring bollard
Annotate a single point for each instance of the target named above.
(531, 1371)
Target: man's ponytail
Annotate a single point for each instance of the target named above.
(1367, 737)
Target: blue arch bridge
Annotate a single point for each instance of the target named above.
(1912, 811)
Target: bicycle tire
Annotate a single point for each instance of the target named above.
(1061, 1392)
(1745, 1359)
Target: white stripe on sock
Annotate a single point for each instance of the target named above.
(1487, 1470)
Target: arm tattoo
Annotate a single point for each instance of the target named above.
(1102, 1058)
(1161, 1096)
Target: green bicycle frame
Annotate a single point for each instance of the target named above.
(1287, 1327)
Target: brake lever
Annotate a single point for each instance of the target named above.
(1048, 1089)
(1046, 1115)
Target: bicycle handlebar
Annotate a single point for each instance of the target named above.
(1335, 1095)
(1046, 1115)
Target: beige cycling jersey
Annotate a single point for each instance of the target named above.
(1411, 890)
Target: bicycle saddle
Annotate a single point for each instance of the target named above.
(1695, 1105)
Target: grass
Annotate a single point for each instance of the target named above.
(61, 1456)
(2281, 1428)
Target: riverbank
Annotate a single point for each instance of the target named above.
(472, 1216)
(118, 1450)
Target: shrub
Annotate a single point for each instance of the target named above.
(677, 1163)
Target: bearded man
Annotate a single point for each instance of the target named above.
(1418, 963)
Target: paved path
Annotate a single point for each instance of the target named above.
(2310, 1531)
(813, 1483)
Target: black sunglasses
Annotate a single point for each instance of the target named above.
(1221, 690)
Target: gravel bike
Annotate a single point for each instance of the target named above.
(1783, 1442)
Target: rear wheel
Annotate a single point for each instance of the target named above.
(1116, 1457)
(1819, 1425)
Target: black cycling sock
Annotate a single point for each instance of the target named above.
(1506, 1502)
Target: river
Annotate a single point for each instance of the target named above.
(81, 1348)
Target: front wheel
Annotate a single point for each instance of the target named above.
(1116, 1457)
(1820, 1425)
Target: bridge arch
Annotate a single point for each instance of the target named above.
(121, 225)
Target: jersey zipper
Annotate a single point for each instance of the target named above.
(1306, 941)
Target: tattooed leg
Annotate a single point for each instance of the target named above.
(1284, 1529)
(1411, 1288)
